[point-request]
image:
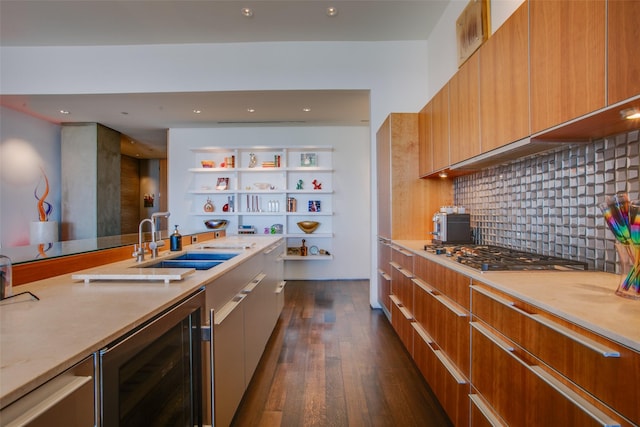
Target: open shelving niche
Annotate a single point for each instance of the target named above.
(249, 205)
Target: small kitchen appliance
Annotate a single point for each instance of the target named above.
(451, 228)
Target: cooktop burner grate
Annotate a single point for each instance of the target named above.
(496, 258)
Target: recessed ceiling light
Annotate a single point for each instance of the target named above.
(64, 112)
(443, 174)
(197, 111)
(306, 109)
(332, 11)
(251, 110)
(247, 12)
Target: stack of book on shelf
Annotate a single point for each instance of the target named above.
(274, 164)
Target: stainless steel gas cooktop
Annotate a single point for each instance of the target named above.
(496, 258)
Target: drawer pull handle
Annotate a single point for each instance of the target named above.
(423, 334)
(450, 367)
(581, 403)
(255, 282)
(394, 299)
(422, 284)
(450, 305)
(228, 308)
(453, 307)
(599, 416)
(492, 337)
(406, 313)
(453, 371)
(601, 349)
(280, 287)
(486, 412)
(493, 296)
(585, 341)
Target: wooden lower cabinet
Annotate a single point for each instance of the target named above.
(494, 360)
(445, 321)
(522, 391)
(384, 274)
(557, 357)
(448, 384)
(401, 320)
(441, 335)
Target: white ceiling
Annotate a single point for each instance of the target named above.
(145, 117)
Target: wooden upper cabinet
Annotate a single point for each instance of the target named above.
(440, 128)
(426, 144)
(464, 109)
(504, 83)
(567, 42)
(623, 50)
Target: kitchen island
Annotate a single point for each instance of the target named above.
(73, 319)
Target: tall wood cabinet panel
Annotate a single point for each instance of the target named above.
(425, 138)
(567, 42)
(504, 83)
(400, 192)
(464, 97)
(440, 129)
(623, 50)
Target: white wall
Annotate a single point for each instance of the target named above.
(25, 144)
(351, 185)
(443, 57)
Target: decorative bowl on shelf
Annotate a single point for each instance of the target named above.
(216, 224)
(308, 226)
(207, 163)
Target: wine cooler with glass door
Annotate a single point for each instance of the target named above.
(153, 376)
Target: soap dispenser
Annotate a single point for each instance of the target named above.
(176, 240)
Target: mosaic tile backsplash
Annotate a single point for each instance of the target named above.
(548, 204)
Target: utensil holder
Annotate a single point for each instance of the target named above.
(629, 255)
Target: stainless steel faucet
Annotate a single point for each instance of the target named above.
(138, 251)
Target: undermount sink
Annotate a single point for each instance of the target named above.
(173, 263)
(196, 260)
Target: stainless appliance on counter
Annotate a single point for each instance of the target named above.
(496, 258)
(450, 228)
(153, 376)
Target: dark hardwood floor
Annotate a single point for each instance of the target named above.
(333, 361)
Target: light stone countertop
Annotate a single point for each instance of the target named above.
(585, 298)
(72, 320)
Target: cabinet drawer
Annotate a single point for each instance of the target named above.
(384, 289)
(521, 391)
(445, 321)
(601, 367)
(446, 281)
(401, 285)
(402, 257)
(447, 382)
(401, 319)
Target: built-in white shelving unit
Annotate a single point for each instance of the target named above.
(267, 190)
